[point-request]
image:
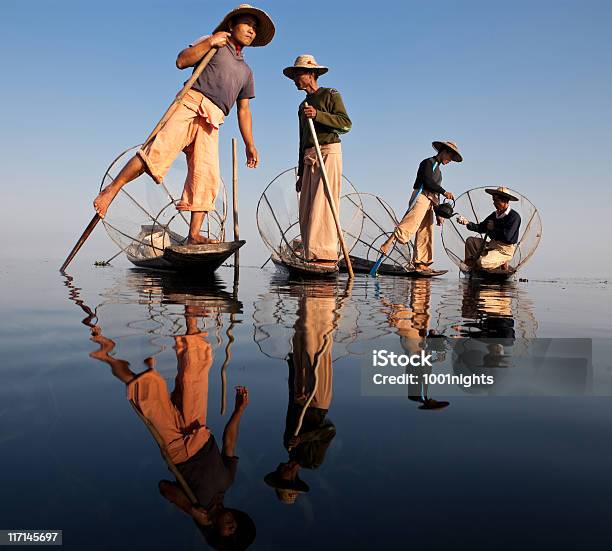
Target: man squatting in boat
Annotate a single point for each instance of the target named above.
(502, 226)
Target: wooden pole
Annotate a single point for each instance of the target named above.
(330, 201)
(235, 197)
(173, 106)
(162, 448)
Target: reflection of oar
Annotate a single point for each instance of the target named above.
(173, 106)
(228, 357)
(162, 447)
(330, 201)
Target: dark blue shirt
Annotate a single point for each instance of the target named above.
(506, 229)
(428, 177)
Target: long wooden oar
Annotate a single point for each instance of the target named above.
(173, 106)
(330, 201)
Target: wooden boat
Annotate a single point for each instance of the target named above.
(304, 270)
(363, 266)
(493, 275)
(203, 259)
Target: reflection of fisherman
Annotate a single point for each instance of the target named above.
(180, 420)
(326, 109)
(412, 324)
(310, 393)
(491, 329)
(419, 218)
(502, 226)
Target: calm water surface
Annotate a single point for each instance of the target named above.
(391, 473)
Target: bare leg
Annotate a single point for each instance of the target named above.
(197, 218)
(131, 171)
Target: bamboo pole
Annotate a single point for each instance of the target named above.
(235, 197)
(347, 259)
(173, 106)
(162, 448)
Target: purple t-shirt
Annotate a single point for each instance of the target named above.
(226, 78)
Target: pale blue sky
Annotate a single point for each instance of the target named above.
(523, 87)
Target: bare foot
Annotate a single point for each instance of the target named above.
(201, 240)
(103, 200)
(242, 398)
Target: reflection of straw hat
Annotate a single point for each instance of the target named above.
(304, 61)
(502, 192)
(265, 26)
(286, 490)
(449, 145)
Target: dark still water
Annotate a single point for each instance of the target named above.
(83, 356)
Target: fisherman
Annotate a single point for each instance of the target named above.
(308, 430)
(501, 226)
(194, 126)
(418, 220)
(180, 419)
(325, 107)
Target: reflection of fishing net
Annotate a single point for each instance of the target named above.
(278, 216)
(476, 205)
(307, 313)
(379, 222)
(142, 220)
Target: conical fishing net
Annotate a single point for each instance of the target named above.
(379, 222)
(476, 205)
(143, 220)
(278, 216)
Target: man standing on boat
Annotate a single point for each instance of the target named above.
(326, 108)
(502, 226)
(419, 218)
(194, 127)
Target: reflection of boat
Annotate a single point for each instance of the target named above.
(363, 266)
(496, 275)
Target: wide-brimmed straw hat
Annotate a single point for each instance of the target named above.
(304, 61)
(438, 146)
(265, 26)
(502, 192)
